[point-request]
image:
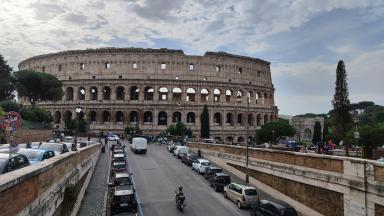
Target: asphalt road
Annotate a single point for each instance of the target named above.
(157, 174)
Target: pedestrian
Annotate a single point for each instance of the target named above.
(89, 138)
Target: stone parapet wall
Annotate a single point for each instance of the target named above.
(26, 136)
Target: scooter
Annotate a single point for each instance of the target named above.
(180, 202)
(103, 149)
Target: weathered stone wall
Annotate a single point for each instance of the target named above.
(305, 127)
(40, 189)
(25, 136)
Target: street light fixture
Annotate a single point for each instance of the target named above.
(78, 110)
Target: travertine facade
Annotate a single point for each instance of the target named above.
(155, 88)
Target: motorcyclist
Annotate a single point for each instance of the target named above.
(180, 194)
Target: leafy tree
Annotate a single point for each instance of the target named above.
(35, 114)
(180, 129)
(316, 132)
(205, 123)
(10, 106)
(281, 128)
(1, 111)
(373, 114)
(37, 86)
(361, 105)
(77, 125)
(341, 105)
(6, 85)
(132, 130)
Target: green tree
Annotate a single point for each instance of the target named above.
(205, 133)
(10, 106)
(180, 129)
(2, 112)
(36, 114)
(6, 85)
(341, 105)
(133, 130)
(281, 128)
(37, 86)
(316, 132)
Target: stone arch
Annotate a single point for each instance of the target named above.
(134, 93)
(272, 117)
(204, 95)
(266, 120)
(240, 139)
(162, 118)
(191, 93)
(265, 98)
(67, 116)
(229, 139)
(250, 119)
(176, 94)
(258, 119)
(148, 93)
(191, 118)
(239, 96)
(217, 119)
(258, 97)
(249, 96)
(107, 93)
(57, 117)
(69, 94)
(216, 95)
(120, 93)
(163, 93)
(148, 118)
(307, 134)
(228, 95)
(240, 119)
(93, 116)
(119, 116)
(81, 93)
(106, 116)
(176, 117)
(133, 117)
(93, 93)
(229, 119)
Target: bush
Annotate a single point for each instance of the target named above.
(74, 124)
(36, 114)
(129, 130)
(10, 106)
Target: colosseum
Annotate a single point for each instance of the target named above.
(155, 88)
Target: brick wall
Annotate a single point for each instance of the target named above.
(25, 136)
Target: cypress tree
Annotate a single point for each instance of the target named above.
(316, 133)
(6, 85)
(341, 105)
(204, 123)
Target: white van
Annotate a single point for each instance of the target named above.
(179, 150)
(139, 145)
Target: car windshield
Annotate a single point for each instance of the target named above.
(217, 170)
(122, 181)
(290, 212)
(123, 198)
(250, 192)
(50, 147)
(205, 163)
(224, 179)
(3, 163)
(119, 165)
(32, 155)
(194, 157)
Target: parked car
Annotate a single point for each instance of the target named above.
(119, 151)
(120, 166)
(211, 171)
(209, 141)
(269, 208)
(180, 149)
(13, 162)
(139, 145)
(118, 157)
(120, 179)
(242, 195)
(113, 137)
(69, 139)
(189, 158)
(36, 155)
(200, 165)
(123, 200)
(219, 180)
(58, 148)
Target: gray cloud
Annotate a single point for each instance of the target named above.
(77, 19)
(46, 11)
(158, 9)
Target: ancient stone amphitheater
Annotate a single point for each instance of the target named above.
(155, 88)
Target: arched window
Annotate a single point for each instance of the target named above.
(266, 119)
(229, 120)
(81, 93)
(228, 95)
(216, 95)
(265, 101)
(93, 93)
(240, 119)
(204, 95)
(240, 139)
(106, 116)
(162, 118)
(57, 117)
(93, 116)
(229, 139)
(258, 120)
(106, 93)
(163, 94)
(119, 117)
(148, 93)
(250, 119)
(176, 117)
(133, 117)
(249, 96)
(148, 117)
(176, 94)
(191, 118)
(69, 94)
(272, 117)
(217, 119)
(191, 94)
(81, 115)
(67, 117)
(258, 97)
(134, 93)
(120, 93)
(239, 96)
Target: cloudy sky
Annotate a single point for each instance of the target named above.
(302, 39)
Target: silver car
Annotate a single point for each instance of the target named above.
(242, 195)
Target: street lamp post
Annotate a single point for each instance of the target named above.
(356, 135)
(273, 136)
(246, 142)
(78, 111)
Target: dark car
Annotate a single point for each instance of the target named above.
(120, 179)
(219, 180)
(118, 151)
(123, 199)
(36, 155)
(13, 162)
(210, 171)
(58, 148)
(118, 157)
(268, 208)
(120, 166)
(189, 159)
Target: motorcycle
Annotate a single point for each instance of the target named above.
(103, 149)
(180, 201)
